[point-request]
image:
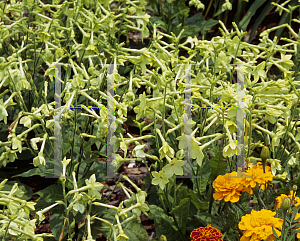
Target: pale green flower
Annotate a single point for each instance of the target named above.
(230, 149)
(159, 179)
(275, 165)
(282, 176)
(166, 150)
(292, 162)
(226, 6)
(39, 160)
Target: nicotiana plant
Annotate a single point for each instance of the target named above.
(84, 37)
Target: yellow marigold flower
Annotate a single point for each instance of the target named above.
(228, 188)
(207, 233)
(258, 225)
(282, 196)
(258, 176)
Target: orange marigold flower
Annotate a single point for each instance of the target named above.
(228, 188)
(258, 176)
(258, 225)
(207, 233)
(282, 196)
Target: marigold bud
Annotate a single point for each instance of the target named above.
(264, 153)
(295, 187)
(163, 238)
(285, 205)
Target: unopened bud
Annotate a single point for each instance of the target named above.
(264, 153)
(295, 187)
(163, 238)
(264, 156)
(285, 205)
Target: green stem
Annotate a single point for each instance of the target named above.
(164, 112)
(210, 201)
(284, 137)
(259, 200)
(173, 215)
(283, 224)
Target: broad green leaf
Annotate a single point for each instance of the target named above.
(57, 223)
(164, 225)
(251, 11)
(200, 205)
(217, 165)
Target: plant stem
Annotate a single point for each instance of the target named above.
(173, 215)
(210, 200)
(259, 200)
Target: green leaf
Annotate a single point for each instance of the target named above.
(184, 212)
(274, 233)
(181, 204)
(53, 191)
(291, 237)
(217, 166)
(200, 205)
(164, 224)
(57, 223)
(260, 18)
(135, 231)
(159, 22)
(243, 24)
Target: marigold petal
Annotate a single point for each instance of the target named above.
(217, 196)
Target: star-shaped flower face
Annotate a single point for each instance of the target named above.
(159, 179)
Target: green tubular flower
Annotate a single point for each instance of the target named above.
(39, 160)
(230, 149)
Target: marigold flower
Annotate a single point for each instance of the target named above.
(258, 225)
(258, 176)
(228, 188)
(282, 196)
(207, 233)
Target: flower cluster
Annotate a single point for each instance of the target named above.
(207, 233)
(230, 188)
(259, 177)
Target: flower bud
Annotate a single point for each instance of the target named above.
(162, 238)
(264, 156)
(295, 187)
(285, 205)
(264, 153)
